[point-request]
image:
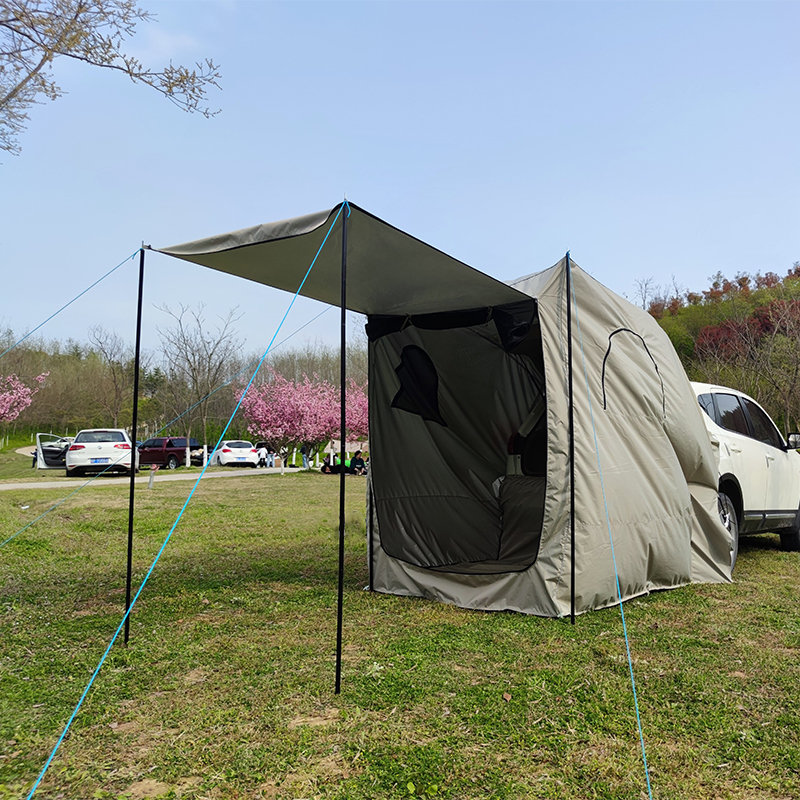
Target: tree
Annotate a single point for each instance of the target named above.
(198, 360)
(744, 333)
(33, 33)
(357, 416)
(115, 388)
(15, 396)
(645, 289)
(290, 413)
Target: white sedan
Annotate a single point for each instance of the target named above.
(98, 450)
(236, 452)
(759, 473)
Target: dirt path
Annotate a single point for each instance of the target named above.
(161, 476)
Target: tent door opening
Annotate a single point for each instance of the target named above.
(458, 437)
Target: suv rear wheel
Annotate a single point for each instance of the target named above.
(172, 462)
(790, 539)
(727, 515)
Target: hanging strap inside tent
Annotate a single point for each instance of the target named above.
(230, 380)
(27, 335)
(175, 524)
(610, 537)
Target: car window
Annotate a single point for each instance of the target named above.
(178, 442)
(731, 414)
(240, 444)
(153, 443)
(763, 427)
(707, 404)
(92, 437)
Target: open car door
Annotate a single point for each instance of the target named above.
(51, 450)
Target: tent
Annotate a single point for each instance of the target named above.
(516, 430)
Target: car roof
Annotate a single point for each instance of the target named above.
(705, 388)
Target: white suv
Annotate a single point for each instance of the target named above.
(759, 474)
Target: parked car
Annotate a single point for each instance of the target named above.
(51, 451)
(236, 452)
(759, 473)
(100, 449)
(168, 451)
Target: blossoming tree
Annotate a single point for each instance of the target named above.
(16, 396)
(295, 413)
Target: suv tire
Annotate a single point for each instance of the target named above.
(727, 516)
(790, 538)
(172, 462)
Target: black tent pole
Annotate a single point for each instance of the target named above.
(134, 425)
(571, 444)
(343, 432)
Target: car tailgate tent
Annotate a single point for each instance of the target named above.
(516, 431)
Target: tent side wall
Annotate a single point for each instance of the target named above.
(653, 486)
(656, 466)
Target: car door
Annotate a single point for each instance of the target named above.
(177, 447)
(51, 451)
(746, 457)
(151, 452)
(783, 475)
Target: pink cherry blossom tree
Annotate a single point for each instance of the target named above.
(357, 412)
(295, 413)
(16, 396)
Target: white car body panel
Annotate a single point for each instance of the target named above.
(230, 453)
(47, 447)
(767, 475)
(100, 450)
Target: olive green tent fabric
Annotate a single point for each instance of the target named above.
(469, 496)
(651, 490)
(388, 271)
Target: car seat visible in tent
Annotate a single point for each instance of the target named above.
(471, 448)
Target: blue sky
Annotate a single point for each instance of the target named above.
(650, 139)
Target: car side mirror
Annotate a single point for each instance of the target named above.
(794, 441)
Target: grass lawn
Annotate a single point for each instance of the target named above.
(226, 690)
(16, 468)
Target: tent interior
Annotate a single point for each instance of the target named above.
(459, 431)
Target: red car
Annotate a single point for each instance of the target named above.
(166, 451)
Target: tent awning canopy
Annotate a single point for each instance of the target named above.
(388, 271)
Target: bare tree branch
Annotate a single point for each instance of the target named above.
(33, 33)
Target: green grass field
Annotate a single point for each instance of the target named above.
(226, 690)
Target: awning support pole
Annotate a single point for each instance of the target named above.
(343, 433)
(134, 454)
(571, 444)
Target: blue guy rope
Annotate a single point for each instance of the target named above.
(180, 514)
(611, 540)
(9, 349)
(171, 422)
